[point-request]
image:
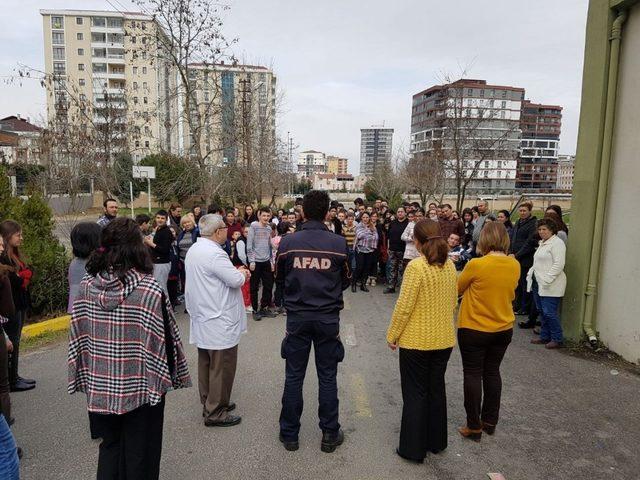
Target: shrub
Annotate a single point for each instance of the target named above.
(42, 251)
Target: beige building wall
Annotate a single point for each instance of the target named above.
(618, 301)
(337, 165)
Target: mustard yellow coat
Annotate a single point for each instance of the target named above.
(423, 316)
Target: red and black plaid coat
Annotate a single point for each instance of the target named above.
(118, 342)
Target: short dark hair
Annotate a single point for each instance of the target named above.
(142, 218)
(283, 227)
(315, 205)
(415, 204)
(162, 213)
(85, 238)
(549, 223)
(264, 210)
(121, 249)
(104, 204)
(358, 201)
(555, 208)
(214, 208)
(447, 205)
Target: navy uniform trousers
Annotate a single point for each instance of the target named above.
(329, 351)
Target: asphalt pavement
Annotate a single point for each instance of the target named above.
(562, 417)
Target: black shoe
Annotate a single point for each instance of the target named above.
(257, 316)
(265, 312)
(11, 421)
(389, 290)
(21, 387)
(331, 441)
(19, 451)
(230, 421)
(30, 381)
(364, 288)
(231, 407)
(354, 288)
(290, 446)
(414, 460)
(525, 325)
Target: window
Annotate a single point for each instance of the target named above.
(482, 92)
(144, 70)
(504, 94)
(58, 53)
(143, 25)
(135, 70)
(146, 143)
(135, 85)
(137, 143)
(470, 91)
(502, 114)
(83, 97)
(504, 104)
(79, 20)
(81, 82)
(145, 100)
(98, 21)
(98, 37)
(147, 130)
(115, 23)
(144, 85)
(133, 39)
(80, 52)
(144, 55)
(57, 38)
(81, 67)
(99, 67)
(135, 100)
(57, 22)
(79, 36)
(144, 40)
(58, 67)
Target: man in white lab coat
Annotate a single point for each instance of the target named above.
(214, 301)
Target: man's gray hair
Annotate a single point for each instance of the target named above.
(209, 223)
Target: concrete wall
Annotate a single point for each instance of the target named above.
(618, 299)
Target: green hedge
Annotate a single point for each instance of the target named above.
(42, 251)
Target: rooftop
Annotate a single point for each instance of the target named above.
(469, 83)
(97, 13)
(15, 123)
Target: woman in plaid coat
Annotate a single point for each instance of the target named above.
(125, 353)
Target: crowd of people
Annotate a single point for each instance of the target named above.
(129, 275)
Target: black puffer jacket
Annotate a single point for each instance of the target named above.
(523, 245)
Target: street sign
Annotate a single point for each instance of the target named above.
(144, 172)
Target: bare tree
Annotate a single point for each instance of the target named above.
(423, 174)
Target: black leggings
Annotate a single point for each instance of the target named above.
(14, 331)
(364, 263)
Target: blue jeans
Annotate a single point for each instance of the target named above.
(351, 255)
(550, 318)
(9, 466)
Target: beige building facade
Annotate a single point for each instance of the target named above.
(337, 165)
(105, 68)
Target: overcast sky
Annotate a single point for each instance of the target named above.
(349, 64)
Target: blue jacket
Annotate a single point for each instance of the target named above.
(312, 267)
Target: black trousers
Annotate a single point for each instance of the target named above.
(328, 352)
(5, 400)
(482, 354)
(424, 396)
(131, 443)
(14, 331)
(261, 274)
(364, 264)
(524, 300)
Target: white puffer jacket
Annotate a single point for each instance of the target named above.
(548, 267)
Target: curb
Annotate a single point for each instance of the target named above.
(53, 325)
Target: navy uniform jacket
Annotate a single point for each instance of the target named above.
(312, 267)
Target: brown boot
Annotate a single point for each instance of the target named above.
(553, 345)
(488, 428)
(466, 432)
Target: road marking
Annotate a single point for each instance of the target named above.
(348, 334)
(361, 398)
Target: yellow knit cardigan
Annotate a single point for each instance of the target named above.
(423, 316)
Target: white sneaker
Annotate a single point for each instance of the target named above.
(373, 281)
(249, 309)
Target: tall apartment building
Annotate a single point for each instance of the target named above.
(486, 120)
(538, 162)
(311, 162)
(337, 165)
(564, 177)
(107, 67)
(237, 113)
(376, 149)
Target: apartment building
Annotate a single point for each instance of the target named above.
(107, 69)
(311, 162)
(337, 165)
(538, 160)
(564, 177)
(376, 149)
(235, 117)
(19, 140)
(486, 122)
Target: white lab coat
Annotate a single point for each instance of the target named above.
(213, 297)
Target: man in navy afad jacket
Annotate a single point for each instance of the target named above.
(313, 268)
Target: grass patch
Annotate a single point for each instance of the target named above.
(45, 339)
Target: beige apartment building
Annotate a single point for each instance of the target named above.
(235, 119)
(337, 165)
(106, 67)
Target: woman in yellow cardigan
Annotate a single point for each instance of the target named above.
(485, 326)
(422, 327)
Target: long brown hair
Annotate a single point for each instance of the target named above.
(557, 219)
(8, 229)
(433, 246)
